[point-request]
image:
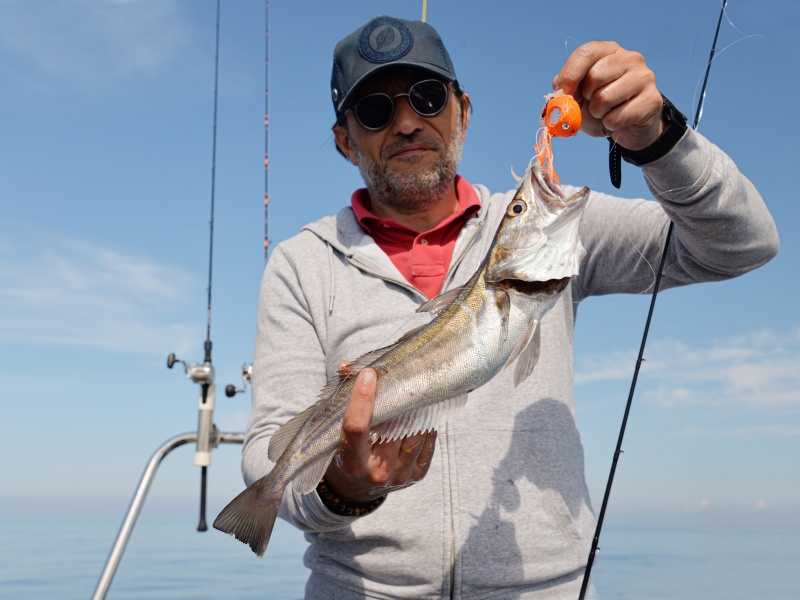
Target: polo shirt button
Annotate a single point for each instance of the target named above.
(424, 242)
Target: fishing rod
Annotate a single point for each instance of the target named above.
(640, 357)
(202, 456)
(207, 436)
(203, 373)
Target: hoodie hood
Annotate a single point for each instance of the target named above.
(343, 234)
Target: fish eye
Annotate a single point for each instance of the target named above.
(516, 208)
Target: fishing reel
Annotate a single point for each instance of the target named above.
(202, 373)
(247, 372)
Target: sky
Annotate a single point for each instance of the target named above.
(106, 170)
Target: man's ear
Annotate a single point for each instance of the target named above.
(466, 107)
(342, 137)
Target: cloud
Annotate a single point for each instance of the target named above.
(761, 368)
(746, 432)
(55, 290)
(86, 43)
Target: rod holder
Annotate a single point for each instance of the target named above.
(205, 407)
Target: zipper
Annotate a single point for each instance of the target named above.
(452, 524)
(455, 263)
(408, 286)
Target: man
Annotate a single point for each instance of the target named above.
(499, 505)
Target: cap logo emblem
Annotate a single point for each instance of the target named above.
(384, 40)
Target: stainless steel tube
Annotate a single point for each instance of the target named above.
(138, 500)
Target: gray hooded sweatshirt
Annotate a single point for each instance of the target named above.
(504, 511)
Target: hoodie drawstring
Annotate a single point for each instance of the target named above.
(332, 278)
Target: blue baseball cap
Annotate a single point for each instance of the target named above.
(382, 43)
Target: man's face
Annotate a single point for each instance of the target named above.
(411, 163)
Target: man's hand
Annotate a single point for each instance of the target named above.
(363, 471)
(617, 93)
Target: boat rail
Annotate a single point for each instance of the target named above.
(207, 437)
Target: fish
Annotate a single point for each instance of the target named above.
(424, 378)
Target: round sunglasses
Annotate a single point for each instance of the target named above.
(375, 111)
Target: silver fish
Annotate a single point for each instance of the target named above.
(424, 378)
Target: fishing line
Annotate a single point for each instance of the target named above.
(266, 133)
(755, 36)
(213, 189)
(640, 358)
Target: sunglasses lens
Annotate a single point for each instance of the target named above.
(374, 111)
(428, 98)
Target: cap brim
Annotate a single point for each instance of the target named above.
(434, 70)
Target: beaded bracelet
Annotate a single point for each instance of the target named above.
(350, 508)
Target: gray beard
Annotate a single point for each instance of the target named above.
(409, 193)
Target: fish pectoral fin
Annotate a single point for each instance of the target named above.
(527, 350)
(529, 358)
(308, 479)
(434, 305)
(419, 420)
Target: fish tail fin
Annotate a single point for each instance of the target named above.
(249, 518)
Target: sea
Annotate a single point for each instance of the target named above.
(170, 560)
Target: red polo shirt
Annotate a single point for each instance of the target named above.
(422, 258)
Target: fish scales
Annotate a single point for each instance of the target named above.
(424, 378)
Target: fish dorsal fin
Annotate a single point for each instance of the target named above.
(286, 433)
(418, 420)
(308, 479)
(435, 305)
(409, 334)
(335, 382)
(527, 350)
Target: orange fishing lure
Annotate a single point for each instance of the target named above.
(561, 117)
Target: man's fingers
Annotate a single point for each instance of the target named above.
(414, 457)
(423, 462)
(410, 448)
(355, 446)
(582, 59)
(617, 92)
(362, 468)
(345, 369)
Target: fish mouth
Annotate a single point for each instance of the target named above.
(555, 206)
(547, 188)
(546, 247)
(549, 287)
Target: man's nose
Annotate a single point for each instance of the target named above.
(405, 120)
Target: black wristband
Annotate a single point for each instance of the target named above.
(674, 128)
(338, 506)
